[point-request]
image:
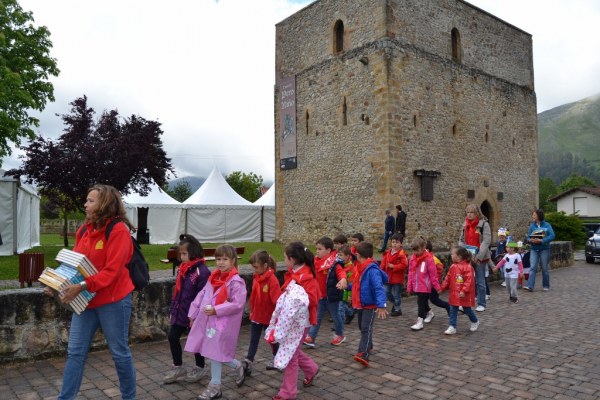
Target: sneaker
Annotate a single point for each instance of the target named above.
(487, 296)
(174, 373)
(211, 392)
(450, 331)
(515, 300)
(474, 326)
(480, 308)
(247, 367)
(195, 374)
(429, 317)
(418, 326)
(309, 341)
(546, 289)
(396, 313)
(527, 289)
(503, 284)
(337, 340)
(240, 375)
(360, 357)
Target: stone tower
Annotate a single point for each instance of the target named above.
(429, 104)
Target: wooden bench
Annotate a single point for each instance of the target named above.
(31, 266)
(209, 255)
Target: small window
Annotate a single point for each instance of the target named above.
(338, 36)
(456, 47)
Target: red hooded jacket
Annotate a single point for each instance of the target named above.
(400, 263)
(460, 279)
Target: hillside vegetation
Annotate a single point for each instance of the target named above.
(569, 140)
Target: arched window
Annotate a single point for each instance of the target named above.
(338, 36)
(456, 48)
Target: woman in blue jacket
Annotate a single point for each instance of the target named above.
(540, 235)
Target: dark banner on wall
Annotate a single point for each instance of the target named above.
(287, 123)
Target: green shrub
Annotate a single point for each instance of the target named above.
(567, 227)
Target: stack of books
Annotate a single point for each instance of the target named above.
(74, 268)
(538, 234)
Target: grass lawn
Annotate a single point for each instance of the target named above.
(52, 243)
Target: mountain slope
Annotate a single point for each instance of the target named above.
(573, 128)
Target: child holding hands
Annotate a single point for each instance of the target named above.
(459, 280)
(512, 266)
(216, 315)
(263, 297)
(422, 278)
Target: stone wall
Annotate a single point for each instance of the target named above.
(33, 326)
(393, 102)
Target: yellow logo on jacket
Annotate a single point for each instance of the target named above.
(99, 245)
(266, 289)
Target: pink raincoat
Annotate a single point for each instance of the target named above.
(216, 336)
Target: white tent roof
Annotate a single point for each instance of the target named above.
(216, 191)
(156, 196)
(267, 199)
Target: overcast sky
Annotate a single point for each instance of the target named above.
(205, 68)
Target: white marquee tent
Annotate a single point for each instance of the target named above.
(267, 203)
(19, 216)
(216, 213)
(160, 219)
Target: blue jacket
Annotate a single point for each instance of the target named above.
(546, 240)
(371, 286)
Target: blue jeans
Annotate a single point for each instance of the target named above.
(386, 237)
(454, 313)
(255, 334)
(114, 319)
(481, 283)
(393, 292)
(333, 308)
(544, 258)
(345, 310)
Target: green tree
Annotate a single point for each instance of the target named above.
(246, 185)
(567, 227)
(574, 181)
(547, 189)
(25, 69)
(125, 153)
(180, 192)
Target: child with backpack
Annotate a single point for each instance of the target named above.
(191, 278)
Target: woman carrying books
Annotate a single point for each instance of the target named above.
(539, 235)
(110, 309)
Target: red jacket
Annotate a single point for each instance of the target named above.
(112, 282)
(310, 285)
(400, 263)
(460, 278)
(263, 297)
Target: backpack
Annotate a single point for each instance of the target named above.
(139, 272)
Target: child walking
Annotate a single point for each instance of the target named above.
(394, 264)
(330, 279)
(512, 265)
(435, 296)
(459, 280)
(422, 278)
(368, 296)
(301, 270)
(216, 315)
(263, 298)
(345, 259)
(191, 278)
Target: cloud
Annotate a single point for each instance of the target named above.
(206, 69)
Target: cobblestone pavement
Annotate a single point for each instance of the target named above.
(545, 347)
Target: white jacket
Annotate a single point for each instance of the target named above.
(288, 323)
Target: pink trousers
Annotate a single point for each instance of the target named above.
(289, 386)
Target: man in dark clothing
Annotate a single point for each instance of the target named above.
(389, 229)
(400, 221)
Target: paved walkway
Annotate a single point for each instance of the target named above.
(545, 347)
